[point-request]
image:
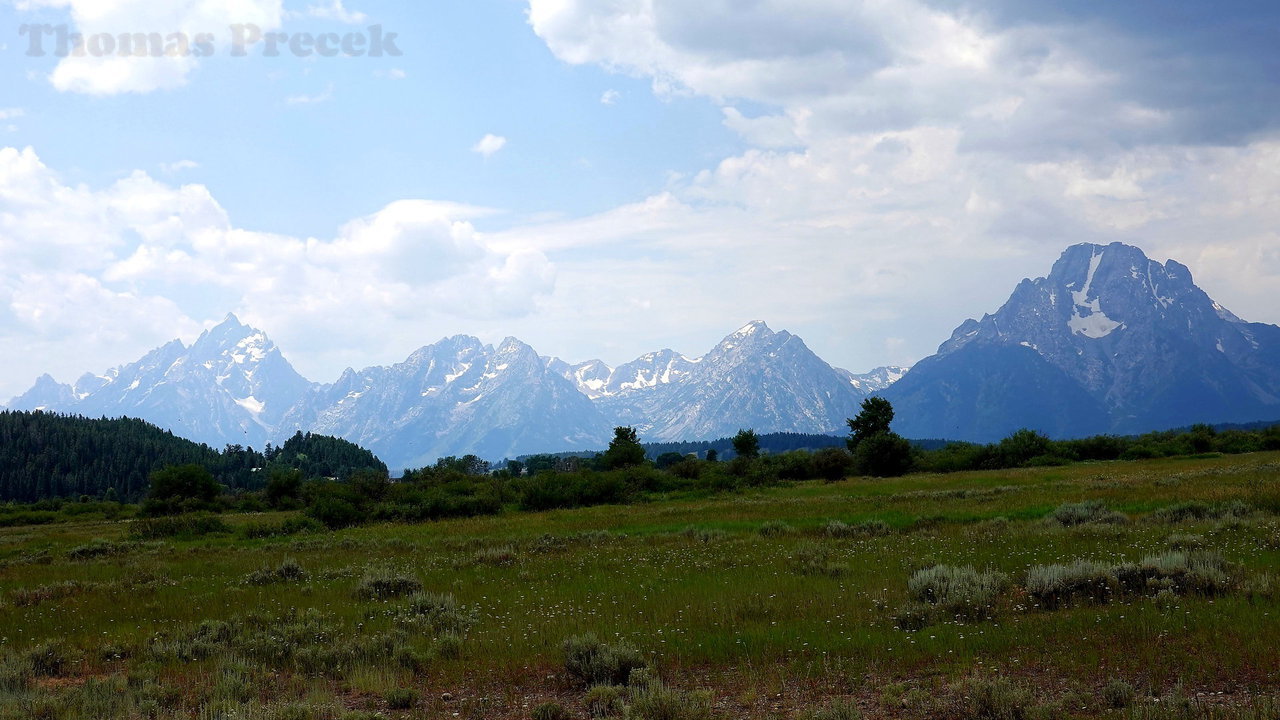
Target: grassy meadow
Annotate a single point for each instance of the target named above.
(792, 601)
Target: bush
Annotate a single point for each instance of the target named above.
(551, 491)
(335, 513)
(287, 571)
(604, 701)
(551, 711)
(99, 548)
(834, 710)
(1196, 511)
(598, 663)
(776, 528)
(48, 660)
(883, 455)
(962, 592)
(381, 583)
(438, 614)
(1091, 511)
(292, 526)
(997, 699)
(1118, 694)
(184, 482)
(403, 699)
(1195, 572)
(813, 559)
(1056, 585)
(831, 464)
(870, 528)
(182, 527)
(653, 700)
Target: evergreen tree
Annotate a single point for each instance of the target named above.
(746, 444)
(624, 450)
(875, 419)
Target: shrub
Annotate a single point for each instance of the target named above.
(831, 464)
(1056, 585)
(500, 555)
(1196, 572)
(402, 699)
(48, 660)
(997, 699)
(1117, 694)
(962, 592)
(703, 535)
(834, 710)
(776, 528)
(438, 614)
(653, 700)
(1197, 511)
(15, 672)
(1185, 542)
(448, 646)
(31, 597)
(913, 617)
(604, 701)
(814, 559)
(292, 526)
(99, 548)
(551, 711)
(382, 583)
(1092, 511)
(883, 455)
(870, 528)
(287, 571)
(598, 663)
(335, 513)
(181, 527)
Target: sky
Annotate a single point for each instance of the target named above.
(604, 178)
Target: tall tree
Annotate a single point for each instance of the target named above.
(624, 450)
(746, 444)
(875, 419)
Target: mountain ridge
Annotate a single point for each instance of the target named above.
(459, 395)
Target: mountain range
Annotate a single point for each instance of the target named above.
(1109, 341)
(459, 395)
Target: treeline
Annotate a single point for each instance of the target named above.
(1030, 449)
(47, 456)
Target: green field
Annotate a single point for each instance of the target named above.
(748, 604)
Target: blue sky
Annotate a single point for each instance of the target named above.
(866, 175)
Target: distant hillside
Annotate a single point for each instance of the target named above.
(45, 455)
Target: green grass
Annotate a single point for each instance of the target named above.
(721, 608)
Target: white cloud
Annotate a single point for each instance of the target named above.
(489, 145)
(906, 166)
(322, 97)
(335, 11)
(610, 97)
(179, 166)
(163, 260)
(112, 74)
(11, 113)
